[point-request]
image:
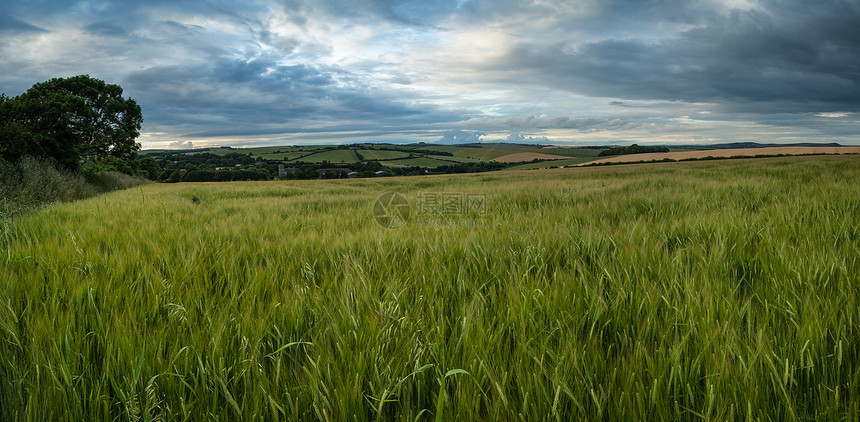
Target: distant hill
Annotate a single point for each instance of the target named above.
(736, 145)
(500, 145)
(632, 149)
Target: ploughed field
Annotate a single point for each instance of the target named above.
(721, 290)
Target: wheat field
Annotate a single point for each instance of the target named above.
(720, 290)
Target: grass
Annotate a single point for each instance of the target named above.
(422, 162)
(260, 151)
(451, 159)
(694, 148)
(441, 148)
(338, 156)
(721, 290)
(373, 154)
(490, 152)
(284, 155)
(32, 183)
(574, 152)
(424, 158)
(550, 163)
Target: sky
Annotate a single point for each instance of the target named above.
(596, 72)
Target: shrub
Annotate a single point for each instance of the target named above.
(32, 182)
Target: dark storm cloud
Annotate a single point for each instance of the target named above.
(455, 70)
(11, 25)
(410, 12)
(802, 55)
(237, 96)
(581, 124)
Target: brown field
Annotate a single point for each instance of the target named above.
(741, 152)
(527, 156)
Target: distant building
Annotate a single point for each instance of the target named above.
(382, 173)
(338, 171)
(283, 171)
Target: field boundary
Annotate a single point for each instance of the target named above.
(718, 154)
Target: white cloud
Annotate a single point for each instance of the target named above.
(833, 115)
(461, 137)
(180, 145)
(522, 139)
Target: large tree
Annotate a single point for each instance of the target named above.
(71, 120)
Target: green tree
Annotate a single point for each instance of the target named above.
(15, 140)
(146, 167)
(175, 176)
(71, 120)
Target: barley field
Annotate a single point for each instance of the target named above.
(720, 290)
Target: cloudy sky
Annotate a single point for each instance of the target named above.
(224, 72)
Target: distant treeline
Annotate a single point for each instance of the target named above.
(411, 151)
(208, 159)
(632, 149)
(707, 158)
(208, 167)
(215, 175)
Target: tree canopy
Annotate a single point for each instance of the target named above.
(632, 149)
(71, 120)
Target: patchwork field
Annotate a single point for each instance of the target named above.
(527, 156)
(572, 151)
(741, 152)
(430, 156)
(339, 156)
(717, 290)
(372, 154)
(549, 164)
(420, 162)
(427, 156)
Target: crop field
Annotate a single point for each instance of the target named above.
(442, 148)
(454, 159)
(550, 163)
(718, 290)
(422, 162)
(374, 154)
(489, 153)
(520, 157)
(573, 152)
(257, 150)
(285, 154)
(334, 156)
(724, 153)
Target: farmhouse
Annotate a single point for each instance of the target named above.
(338, 171)
(283, 171)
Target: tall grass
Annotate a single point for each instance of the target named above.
(31, 183)
(718, 291)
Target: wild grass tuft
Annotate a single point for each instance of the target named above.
(31, 183)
